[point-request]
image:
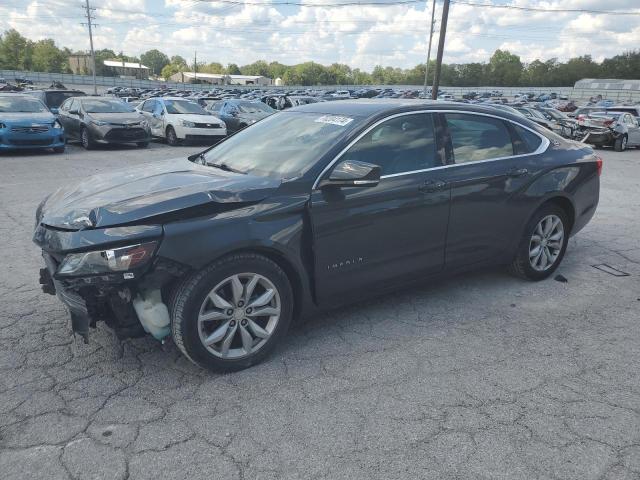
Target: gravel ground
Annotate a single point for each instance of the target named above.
(481, 376)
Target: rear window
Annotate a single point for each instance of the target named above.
(55, 99)
(476, 137)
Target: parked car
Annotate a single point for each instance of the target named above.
(309, 209)
(103, 120)
(54, 98)
(26, 122)
(238, 114)
(177, 119)
(619, 130)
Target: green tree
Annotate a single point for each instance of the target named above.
(179, 61)
(49, 58)
(15, 51)
(169, 70)
(233, 69)
(155, 60)
(505, 69)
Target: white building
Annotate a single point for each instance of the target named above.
(128, 69)
(219, 78)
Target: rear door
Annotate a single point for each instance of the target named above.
(369, 236)
(489, 159)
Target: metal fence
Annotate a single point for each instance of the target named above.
(85, 82)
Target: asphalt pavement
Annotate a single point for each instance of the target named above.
(483, 376)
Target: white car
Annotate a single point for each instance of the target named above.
(177, 119)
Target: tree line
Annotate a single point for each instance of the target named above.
(502, 69)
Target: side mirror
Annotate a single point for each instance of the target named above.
(352, 173)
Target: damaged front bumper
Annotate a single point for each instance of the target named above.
(131, 302)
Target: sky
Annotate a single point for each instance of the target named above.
(362, 36)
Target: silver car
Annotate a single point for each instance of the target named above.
(611, 129)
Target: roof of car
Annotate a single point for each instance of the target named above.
(377, 106)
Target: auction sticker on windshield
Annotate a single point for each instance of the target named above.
(335, 120)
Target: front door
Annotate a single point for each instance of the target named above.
(368, 237)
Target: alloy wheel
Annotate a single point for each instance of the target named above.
(239, 315)
(85, 138)
(546, 243)
(624, 143)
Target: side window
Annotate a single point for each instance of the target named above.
(216, 107)
(148, 106)
(476, 137)
(402, 144)
(74, 105)
(65, 105)
(524, 141)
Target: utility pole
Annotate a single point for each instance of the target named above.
(426, 67)
(195, 66)
(90, 17)
(443, 33)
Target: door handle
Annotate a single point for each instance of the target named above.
(432, 186)
(517, 172)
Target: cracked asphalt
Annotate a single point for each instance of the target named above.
(481, 376)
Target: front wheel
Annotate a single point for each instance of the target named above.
(232, 314)
(543, 244)
(620, 145)
(172, 138)
(85, 139)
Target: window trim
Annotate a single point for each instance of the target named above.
(544, 145)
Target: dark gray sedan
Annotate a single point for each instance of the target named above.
(93, 120)
(238, 114)
(309, 209)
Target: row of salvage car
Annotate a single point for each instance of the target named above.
(48, 118)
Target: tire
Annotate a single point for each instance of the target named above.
(58, 149)
(531, 268)
(172, 138)
(193, 301)
(620, 145)
(142, 144)
(85, 139)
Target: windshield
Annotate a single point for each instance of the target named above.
(184, 106)
(55, 99)
(21, 104)
(284, 145)
(254, 107)
(106, 106)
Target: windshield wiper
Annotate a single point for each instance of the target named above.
(222, 166)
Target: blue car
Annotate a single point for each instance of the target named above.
(26, 123)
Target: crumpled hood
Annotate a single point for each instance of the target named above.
(148, 191)
(25, 118)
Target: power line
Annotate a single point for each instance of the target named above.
(544, 10)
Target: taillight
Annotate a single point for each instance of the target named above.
(599, 165)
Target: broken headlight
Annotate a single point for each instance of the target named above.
(107, 261)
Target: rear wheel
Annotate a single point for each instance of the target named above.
(172, 138)
(543, 244)
(620, 145)
(232, 314)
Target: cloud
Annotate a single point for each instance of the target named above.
(362, 36)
